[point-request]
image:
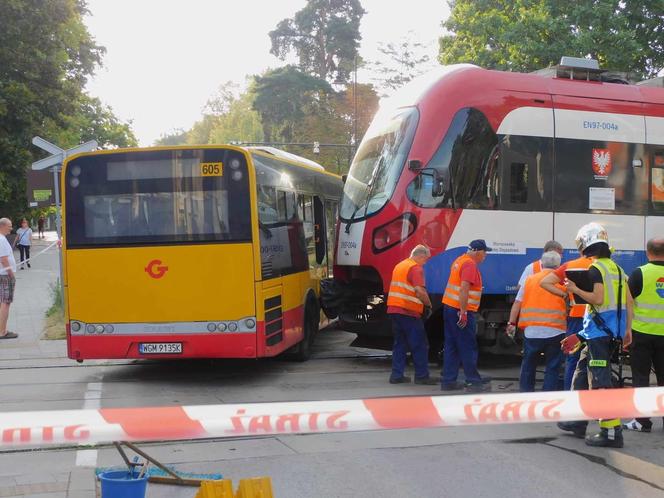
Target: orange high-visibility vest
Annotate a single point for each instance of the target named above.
(402, 293)
(537, 266)
(451, 296)
(582, 263)
(541, 308)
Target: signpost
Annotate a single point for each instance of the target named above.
(54, 162)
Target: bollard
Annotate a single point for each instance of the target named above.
(256, 487)
(216, 489)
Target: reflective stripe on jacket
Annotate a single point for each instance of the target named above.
(451, 296)
(649, 305)
(541, 308)
(608, 310)
(582, 263)
(402, 293)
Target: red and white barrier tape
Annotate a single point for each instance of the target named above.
(246, 419)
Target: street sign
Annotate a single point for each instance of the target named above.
(59, 155)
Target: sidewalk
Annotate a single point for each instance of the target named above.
(33, 296)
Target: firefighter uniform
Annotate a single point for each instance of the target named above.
(574, 321)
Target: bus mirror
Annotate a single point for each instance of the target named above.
(415, 165)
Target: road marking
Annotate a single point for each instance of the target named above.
(92, 401)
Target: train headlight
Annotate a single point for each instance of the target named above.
(395, 231)
(232, 327)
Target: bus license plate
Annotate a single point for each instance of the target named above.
(160, 348)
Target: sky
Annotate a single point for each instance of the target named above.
(165, 58)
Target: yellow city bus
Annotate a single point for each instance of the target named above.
(195, 252)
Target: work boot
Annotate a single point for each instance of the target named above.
(607, 438)
(426, 381)
(401, 380)
(477, 387)
(453, 386)
(578, 428)
(635, 425)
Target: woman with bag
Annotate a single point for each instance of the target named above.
(24, 241)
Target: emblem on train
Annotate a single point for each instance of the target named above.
(156, 269)
(602, 163)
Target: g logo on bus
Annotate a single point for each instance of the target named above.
(155, 269)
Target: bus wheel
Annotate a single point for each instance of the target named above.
(302, 352)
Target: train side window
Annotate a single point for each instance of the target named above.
(657, 182)
(464, 170)
(519, 183)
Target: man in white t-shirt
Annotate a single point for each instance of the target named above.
(7, 278)
(536, 266)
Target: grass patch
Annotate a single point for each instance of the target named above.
(54, 325)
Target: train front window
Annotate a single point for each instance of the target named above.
(378, 164)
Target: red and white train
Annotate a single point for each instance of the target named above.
(517, 159)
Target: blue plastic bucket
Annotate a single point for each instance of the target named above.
(122, 484)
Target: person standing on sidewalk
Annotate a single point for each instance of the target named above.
(24, 241)
(542, 316)
(606, 324)
(407, 303)
(7, 278)
(40, 226)
(460, 304)
(646, 284)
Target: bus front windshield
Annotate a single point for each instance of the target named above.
(378, 163)
(157, 197)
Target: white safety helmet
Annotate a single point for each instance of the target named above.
(591, 234)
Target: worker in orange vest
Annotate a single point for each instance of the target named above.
(543, 318)
(460, 304)
(407, 303)
(536, 266)
(576, 311)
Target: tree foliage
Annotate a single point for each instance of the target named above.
(525, 35)
(325, 37)
(402, 61)
(46, 57)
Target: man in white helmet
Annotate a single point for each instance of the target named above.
(606, 323)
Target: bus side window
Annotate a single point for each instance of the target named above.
(331, 221)
(319, 230)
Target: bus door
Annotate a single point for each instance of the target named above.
(600, 174)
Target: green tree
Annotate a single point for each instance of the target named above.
(174, 137)
(402, 61)
(283, 97)
(325, 36)
(525, 35)
(46, 57)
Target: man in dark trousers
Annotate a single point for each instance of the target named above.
(407, 303)
(646, 284)
(460, 305)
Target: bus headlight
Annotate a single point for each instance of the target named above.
(232, 327)
(235, 163)
(109, 329)
(75, 326)
(250, 323)
(237, 176)
(90, 329)
(221, 327)
(99, 329)
(211, 327)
